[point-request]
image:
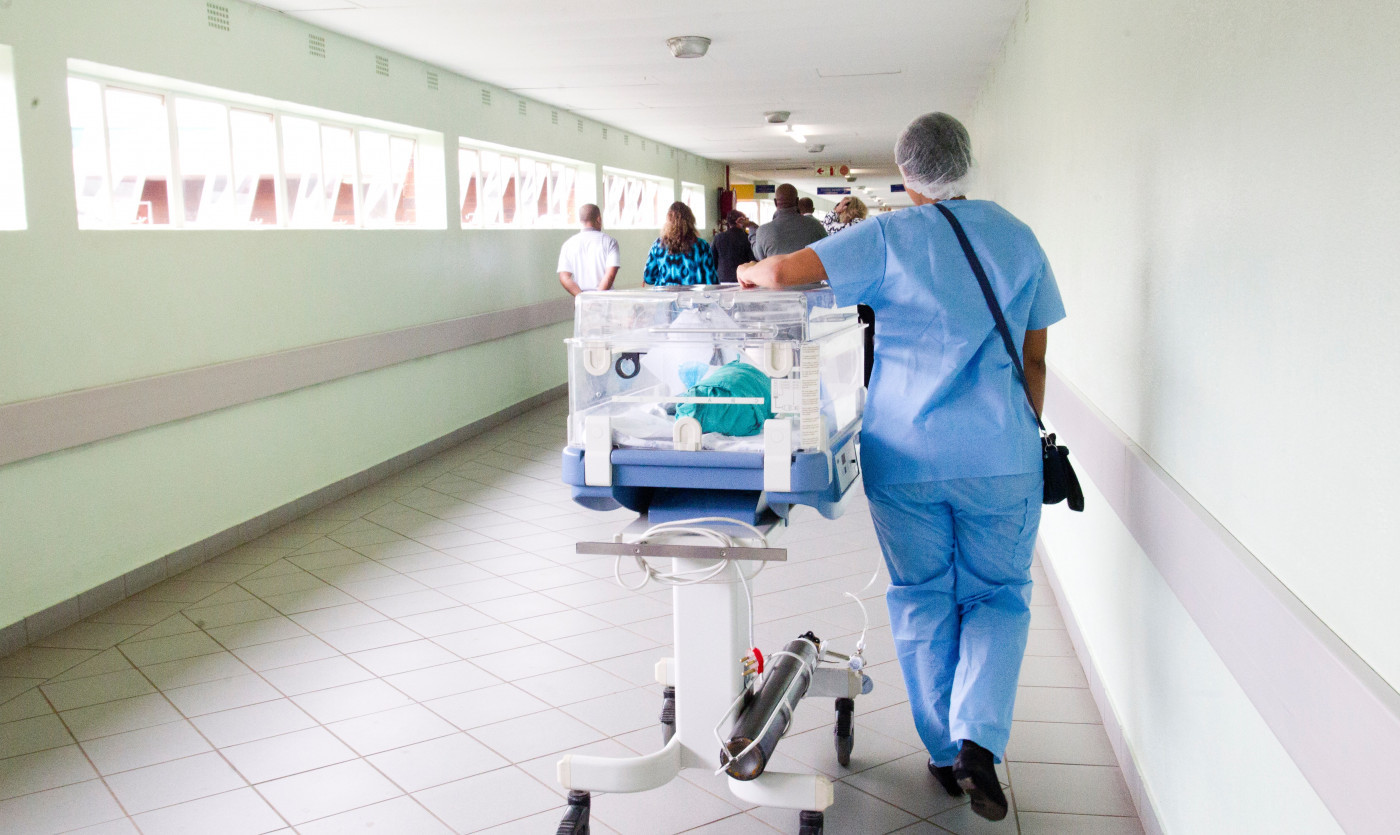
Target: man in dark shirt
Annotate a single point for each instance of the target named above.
(788, 231)
(732, 246)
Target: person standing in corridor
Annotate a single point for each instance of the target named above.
(589, 260)
(789, 230)
(950, 448)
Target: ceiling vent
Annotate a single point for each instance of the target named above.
(486, 97)
(218, 16)
(580, 126)
(316, 46)
(432, 80)
(381, 65)
(626, 139)
(554, 117)
(605, 133)
(520, 107)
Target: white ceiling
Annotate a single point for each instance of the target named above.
(851, 74)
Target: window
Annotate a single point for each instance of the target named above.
(635, 201)
(11, 171)
(693, 195)
(157, 152)
(508, 187)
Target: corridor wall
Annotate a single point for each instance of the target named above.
(80, 310)
(1214, 184)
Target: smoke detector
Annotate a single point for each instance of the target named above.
(776, 117)
(689, 46)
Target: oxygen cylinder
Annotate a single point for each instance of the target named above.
(783, 686)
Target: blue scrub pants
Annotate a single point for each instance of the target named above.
(959, 555)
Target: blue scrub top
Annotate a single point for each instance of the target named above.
(945, 401)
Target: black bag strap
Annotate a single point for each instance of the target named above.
(992, 305)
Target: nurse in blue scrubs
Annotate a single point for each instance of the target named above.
(950, 449)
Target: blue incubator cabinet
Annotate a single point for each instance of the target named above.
(713, 400)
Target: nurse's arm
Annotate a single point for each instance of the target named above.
(1033, 361)
(792, 270)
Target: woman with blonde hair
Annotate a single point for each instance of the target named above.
(848, 212)
(680, 256)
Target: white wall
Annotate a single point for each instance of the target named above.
(83, 309)
(1216, 185)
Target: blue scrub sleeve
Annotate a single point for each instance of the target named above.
(854, 260)
(1046, 308)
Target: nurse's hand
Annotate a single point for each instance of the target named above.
(748, 278)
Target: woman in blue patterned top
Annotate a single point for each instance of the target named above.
(680, 255)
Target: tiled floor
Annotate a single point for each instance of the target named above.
(414, 658)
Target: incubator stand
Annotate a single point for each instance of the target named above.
(710, 506)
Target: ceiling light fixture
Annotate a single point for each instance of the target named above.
(815, 148)
(777, 117)
(689, 46)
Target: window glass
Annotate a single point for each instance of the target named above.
(12, 214)
(635, 201)
(510, 174)
(254, 137)
(338, 165)
(138, 145)
(489, 210)
(766, 210)
(518, 189)
(205, 175)
(241, 162)
(402, 154)
(301, 164)
(376, 181)
(89, 153)
(469, 172)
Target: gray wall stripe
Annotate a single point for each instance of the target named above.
(48, 424)
(1336, 717)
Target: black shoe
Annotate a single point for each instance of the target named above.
(976, 772)
(944, 775)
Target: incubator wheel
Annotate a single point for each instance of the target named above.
(575, 820)
(810, 823)
(845, 730)
(668, 714)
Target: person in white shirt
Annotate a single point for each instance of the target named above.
(590, 259)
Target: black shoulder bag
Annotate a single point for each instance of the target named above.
(1060, 481)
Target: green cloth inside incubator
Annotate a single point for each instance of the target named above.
(736, 379)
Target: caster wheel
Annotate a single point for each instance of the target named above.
(845, 730)
(668, 714)
(575, 820)
(810, 823)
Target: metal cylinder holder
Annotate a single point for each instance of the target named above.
(771, 706)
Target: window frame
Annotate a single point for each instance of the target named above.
(583, 186)
(635, 183)
(172, 90)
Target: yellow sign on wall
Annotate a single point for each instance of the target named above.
(743, 191)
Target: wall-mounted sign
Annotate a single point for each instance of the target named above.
(743, 191)
(897, 188)
(761, 188)
(833, 170)
(833, 190)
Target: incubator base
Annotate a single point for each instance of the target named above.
(703, 682)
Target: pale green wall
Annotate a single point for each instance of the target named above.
(82, 309)
(1215, 186)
